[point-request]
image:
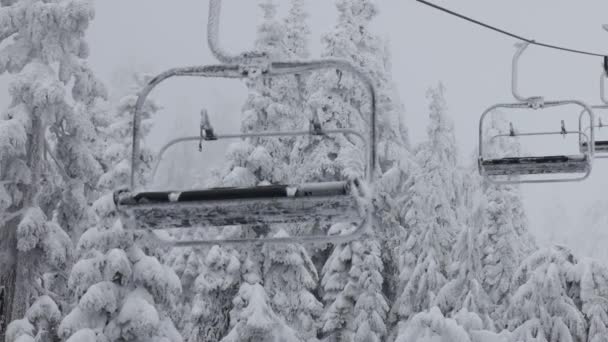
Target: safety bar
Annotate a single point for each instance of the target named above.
(237, 72)
(582, 134)
(524, 105)
(174, 142)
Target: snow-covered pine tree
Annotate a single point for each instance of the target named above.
(272, 105)
(352, 286)
(546, 301)
(297, 31)
(340, 298)
(77, 148)
(252, 317)
(267, 109)
(431, 216)
(46, 139)
(254, 320)
(371, 307)
(594, 296)
(504, 237)
(289, 279)
(117, 139)
(219, 277)
(431, 325)
(121, 293)
(464, 293)
(340, 100)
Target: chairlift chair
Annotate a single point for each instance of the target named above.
(601, 146)
(525, 169)
(343, 201)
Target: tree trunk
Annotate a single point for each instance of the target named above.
(14, 290)
(8, 273)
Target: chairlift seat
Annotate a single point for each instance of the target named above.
(326, 202)
(600, 146)
(535, 165)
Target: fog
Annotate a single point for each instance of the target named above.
(427, 47)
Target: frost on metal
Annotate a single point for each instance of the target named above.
(238, 212)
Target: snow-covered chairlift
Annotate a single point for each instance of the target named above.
(526, 169)
(345, 201)
(601, 146)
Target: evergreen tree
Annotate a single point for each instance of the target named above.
(335, 277)
(545, 304)
(273, 104)
(353, 288)
(46, 139)
(216, 285)
(504, 237)
(117, 139)
(464, 293)
(289, 279)
(39, 323)
(431, 217)
(594, 296)
(121, 293)
(340, 100)
(297, 32)
(432, 326)
(371, 308)
(254, 320)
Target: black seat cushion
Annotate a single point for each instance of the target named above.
(227, 194)
(534, 160)
(536, 165)
(213, 194)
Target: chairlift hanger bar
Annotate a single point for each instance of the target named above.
(518, 37)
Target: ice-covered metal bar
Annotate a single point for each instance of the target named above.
(234, 71)
(167, 146)
(213, 38)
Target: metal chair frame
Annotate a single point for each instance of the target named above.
(602, 152)
(536, 103)
(250, 65)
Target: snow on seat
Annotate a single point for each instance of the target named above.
(536, 165)
(332, 201)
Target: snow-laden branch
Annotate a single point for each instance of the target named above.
(12, 216)
(7, 23)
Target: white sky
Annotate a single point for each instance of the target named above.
(427, 47)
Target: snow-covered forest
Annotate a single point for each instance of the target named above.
(447, 256)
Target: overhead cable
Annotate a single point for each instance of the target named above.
(510, 34)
